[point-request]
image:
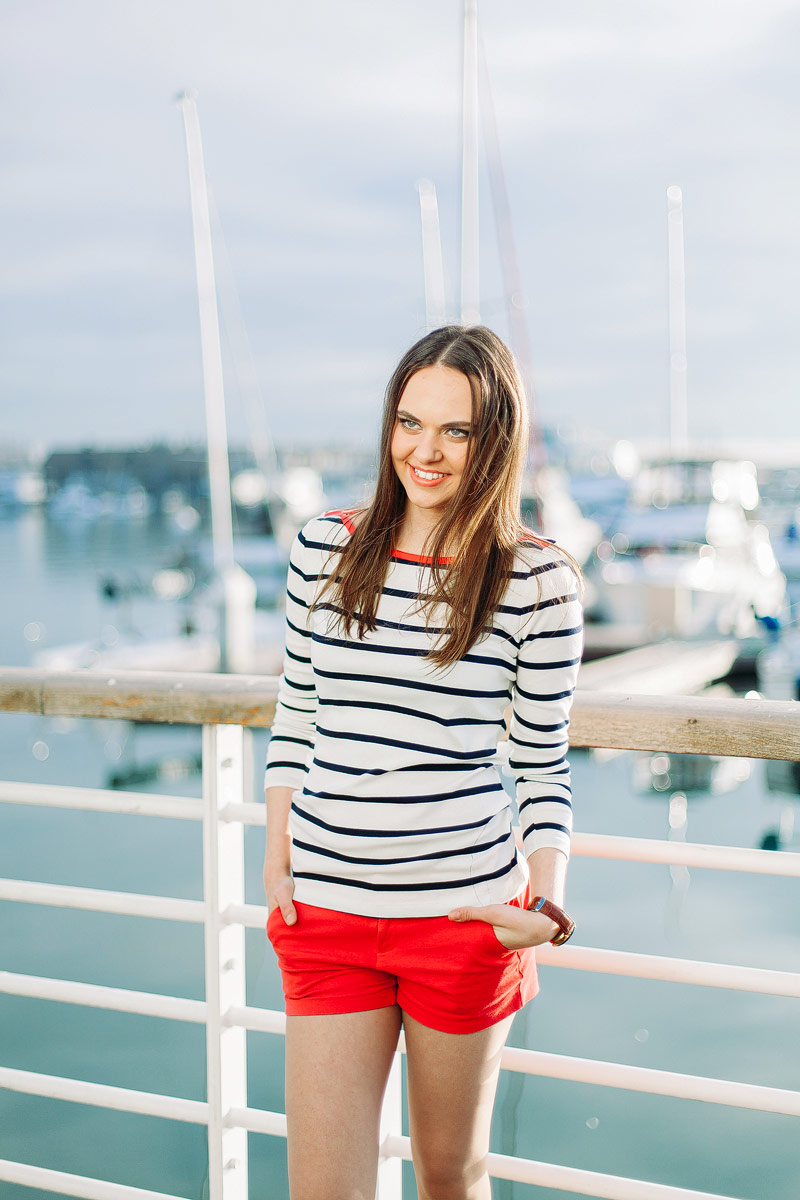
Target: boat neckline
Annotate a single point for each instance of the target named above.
(405, 555)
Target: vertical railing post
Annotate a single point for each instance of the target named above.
(223, 885)
(390, 1168)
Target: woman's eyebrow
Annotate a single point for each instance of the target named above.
(402, 412)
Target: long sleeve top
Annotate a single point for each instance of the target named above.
(398, 808)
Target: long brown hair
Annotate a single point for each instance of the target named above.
(482, 520)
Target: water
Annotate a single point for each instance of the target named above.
(50, 577)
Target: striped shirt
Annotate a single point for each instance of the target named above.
(398, 808)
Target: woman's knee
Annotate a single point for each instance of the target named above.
(443, 1176)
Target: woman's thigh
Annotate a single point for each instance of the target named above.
(336, 1072)
(452, 1080)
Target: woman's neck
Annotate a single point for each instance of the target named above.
(415, 532)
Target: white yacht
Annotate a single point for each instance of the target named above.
(689, 557)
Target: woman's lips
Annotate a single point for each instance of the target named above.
(426, 482)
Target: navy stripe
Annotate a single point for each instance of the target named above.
(447, 722)
(396, 862)
(548, 666)
(340, 769)
(425, 886)
(545, 696)
(540, 728)
(408, 651)
(415, 684)
(296, 629)
(528, 769)
(350, 831)
(545, 800)
(300, 687)
(450, 794)
(382, 741)
(547, 825)
(301, 658)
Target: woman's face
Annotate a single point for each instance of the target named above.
(431, 434)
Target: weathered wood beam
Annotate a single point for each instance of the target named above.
(673, 724)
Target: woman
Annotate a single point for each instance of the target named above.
(401, 897)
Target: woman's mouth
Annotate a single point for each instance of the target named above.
(426, 478)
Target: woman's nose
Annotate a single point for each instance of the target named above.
(428, 447)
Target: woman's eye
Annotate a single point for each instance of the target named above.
(408, 423)
(459, 434)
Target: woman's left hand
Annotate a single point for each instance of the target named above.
(515, 928)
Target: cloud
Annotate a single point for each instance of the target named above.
(317, 120)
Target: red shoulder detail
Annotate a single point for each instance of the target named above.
(534, 539)
(344, 513)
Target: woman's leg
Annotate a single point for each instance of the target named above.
(336, 1072)
(452, 1080)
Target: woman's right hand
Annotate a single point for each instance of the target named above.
(279, 887)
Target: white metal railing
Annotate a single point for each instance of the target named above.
(227, 1017)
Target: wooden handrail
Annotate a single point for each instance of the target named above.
(673, 724)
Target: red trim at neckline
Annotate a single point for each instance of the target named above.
(405, 555)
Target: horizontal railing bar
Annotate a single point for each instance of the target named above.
(92, 995)
(671, 970)
(172, 697)
(248, 814)
(146, 804)
(688, 854)
(104, 1095)
(148, 1004)
(129, 904)
(590, 845)
(593, 845)
(259, 1020)
(252, 916)
(531, 1062)
(582, 958)
(652, 1081)
(25, 1175)
(619, 720)
(686, 724)
(257, 1120)
(566, 1179)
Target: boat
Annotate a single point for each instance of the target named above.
(688, 557)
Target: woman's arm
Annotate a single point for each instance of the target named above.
(293, 731)
(278, 882)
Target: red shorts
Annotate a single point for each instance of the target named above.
(449, 975)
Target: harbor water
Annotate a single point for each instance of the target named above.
(51, 595)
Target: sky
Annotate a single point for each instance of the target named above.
(318, 119)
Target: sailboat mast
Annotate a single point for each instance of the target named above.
(509, 262)
(431, 256)
(216, 427)
(470, 278)
(678, 407)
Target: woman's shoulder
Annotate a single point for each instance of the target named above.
(328, 530)
(539, 558)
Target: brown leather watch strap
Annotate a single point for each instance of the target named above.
(566, 925)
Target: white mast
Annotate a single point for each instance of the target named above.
(216, 428)
(236, 634)
(678, 418)
(509, 262)
(431, 256)
(470, 279)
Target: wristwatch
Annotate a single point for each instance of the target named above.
(566, 925)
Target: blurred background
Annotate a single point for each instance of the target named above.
(352, 205)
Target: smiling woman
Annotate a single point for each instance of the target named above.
(398, 894)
